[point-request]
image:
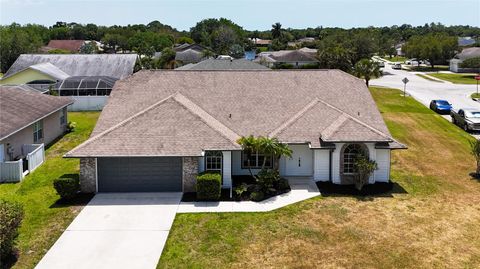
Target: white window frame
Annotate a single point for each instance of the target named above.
(213, 161)
(350, 165)
(38, 131)
(258, 163)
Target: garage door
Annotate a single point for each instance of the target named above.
(139, 174)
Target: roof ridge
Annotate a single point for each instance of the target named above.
(118, 125)
(294, 118)
(208, 119)
(335, 125)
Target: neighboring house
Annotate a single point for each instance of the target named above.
(161, 128)
(455, 63)
(398, 49)
(294, 58)
(72, 46)
(300, 41)
(219, 64)
(261, 42)
(57, 71)
(28, 121)
(466, 41)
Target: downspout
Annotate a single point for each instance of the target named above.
(330, 165)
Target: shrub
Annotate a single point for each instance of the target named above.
(209, 186)
(256, 196)
(71, 126)
(283, 184)
(67, 188)
(365, 168)
(267, 179)
(11, 215)
(242, 189)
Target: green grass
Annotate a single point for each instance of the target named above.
(432, 214)
(456, 78)
(45, 220)
(395, 59)
(429, 78)
(475, 95)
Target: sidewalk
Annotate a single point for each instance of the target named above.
(300, 191)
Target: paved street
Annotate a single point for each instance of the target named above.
(425, 90)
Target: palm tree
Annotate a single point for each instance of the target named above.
(367, 69)
(276, 30)
(475, 151)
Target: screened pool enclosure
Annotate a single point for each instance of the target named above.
(85, 86)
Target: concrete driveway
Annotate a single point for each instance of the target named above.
(116, 230)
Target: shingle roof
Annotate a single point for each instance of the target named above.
(20, 108)
(112, 65)
(468, 53)
(70, 45)
(213, 64)
(295, 106)
(189, 56)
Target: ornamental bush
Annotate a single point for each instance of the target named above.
(67, 188)
(257, 196)
(267, 179)
(11, 215)
(209, 186)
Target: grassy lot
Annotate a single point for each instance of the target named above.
(395, 59)
(428, 78)
(430, 220)
(45, 219)
(428, 68)
(456, 78)
(475, 95)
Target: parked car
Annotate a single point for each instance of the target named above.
(441, 106)
(412, 61)
(467, 118)
(381, 64)
(397, 66)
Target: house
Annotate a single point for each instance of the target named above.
(293, 58)
(467, 53)
(466, 41)
(398, 49)
(219, 64)
(58, 72)
(161, 128)
(261, 42)
(72, 46)
(28, 121)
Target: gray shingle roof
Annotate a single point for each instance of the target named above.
(189, 56)
(468, 53)
(213, 64)
(21, 107)
(112, 65)
(295, 106)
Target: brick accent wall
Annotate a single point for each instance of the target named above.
(88, 183)
(190, 172)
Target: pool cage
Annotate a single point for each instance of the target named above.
(85, 86)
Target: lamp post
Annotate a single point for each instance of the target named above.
(405, 81)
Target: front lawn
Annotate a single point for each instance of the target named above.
(428, 78)
(456, 78)
(429, 220)
(45, 219)
(400, 59)
(436, 68)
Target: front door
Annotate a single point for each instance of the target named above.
(301, 162)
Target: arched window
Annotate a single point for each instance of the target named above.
(213, 161)
(351, 154)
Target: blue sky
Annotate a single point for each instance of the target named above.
(251, 14)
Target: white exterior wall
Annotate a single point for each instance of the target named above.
(321, 165)
(301, 162)
(336, 163)
(88, 103)
(227, 169)
(383, 162)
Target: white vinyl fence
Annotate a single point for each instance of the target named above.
(87, 103)
(35, 155)
(11, 171)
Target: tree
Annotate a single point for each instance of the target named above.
(336, 57)
(184, 39)
(266, 146)
(15, 40)
(276, 30)
(435, 47)
(167, 59)
(237, 51)
(367, 69)
(473, 63)
(364, 168)
(475, 151)
(219, 34)
(89, 48)
(207, 54)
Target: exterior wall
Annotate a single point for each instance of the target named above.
(237, 165)
(24, 77)
(51, 130)
(321, 165)
(88, 103)
(190, 172)
(454, 63)
(88, 175)
(383, 162)
(227, 169)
